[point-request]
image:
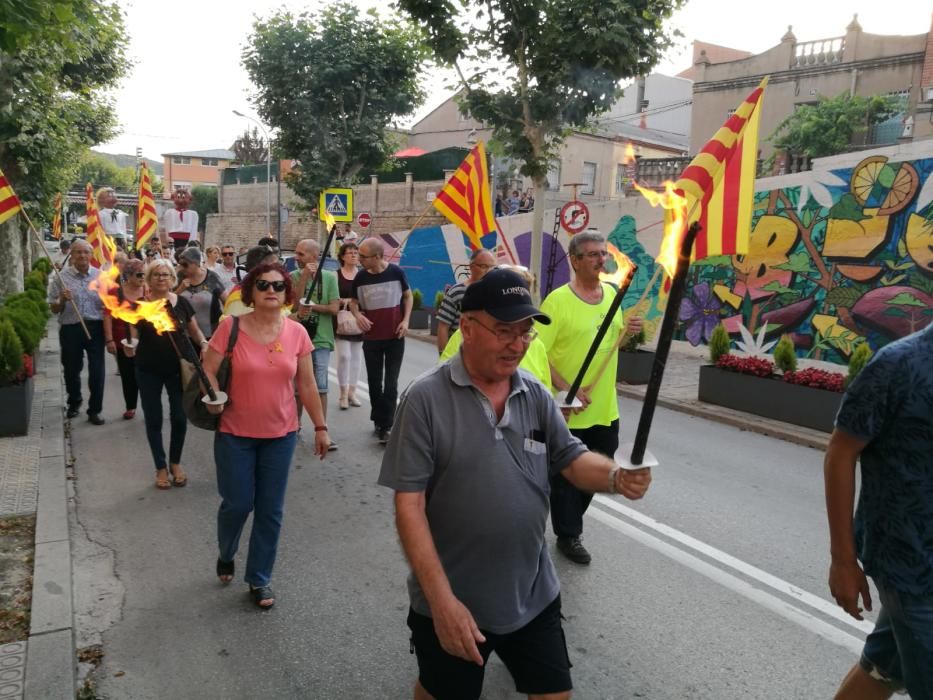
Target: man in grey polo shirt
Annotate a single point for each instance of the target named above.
(475, 444)
(77, 278)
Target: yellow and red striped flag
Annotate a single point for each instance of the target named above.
(722, 179)
(147, 222)
(465, 199)
(57, 218)
(9, 202)
(102, 248)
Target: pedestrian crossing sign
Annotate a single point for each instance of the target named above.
(338, 202)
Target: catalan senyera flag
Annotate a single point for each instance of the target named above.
(101, 245)
(9, 202)
(147, 222)
(722, 179)
(465, 200)
(57, 218)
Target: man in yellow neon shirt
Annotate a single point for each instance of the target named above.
(577, 309)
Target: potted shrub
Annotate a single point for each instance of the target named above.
(771, 389)
(16, 384)
(635, 362)
(438, 298)
(419, 315)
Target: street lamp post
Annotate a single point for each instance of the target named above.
(268, 175)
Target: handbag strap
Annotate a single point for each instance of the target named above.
(228, 355)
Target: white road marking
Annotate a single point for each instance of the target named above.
(744, 568)
(332, 373)
(766, 600)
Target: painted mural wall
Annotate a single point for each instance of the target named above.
(838, 256)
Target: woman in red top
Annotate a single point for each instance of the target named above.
(132, 288)
(256, 438)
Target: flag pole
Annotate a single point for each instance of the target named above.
(41, 243)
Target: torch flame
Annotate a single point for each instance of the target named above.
(152, 311)
(674, 229)
(629, 157)
(329, 220)
(624, 266)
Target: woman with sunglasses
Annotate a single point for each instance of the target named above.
(157, 368)
(258, 431)
(131, 289)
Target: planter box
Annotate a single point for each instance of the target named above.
(770, 397)
(434, 325)
(420, 319)
(635, 367)
(16, 400)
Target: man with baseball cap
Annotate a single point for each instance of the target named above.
(475, 444)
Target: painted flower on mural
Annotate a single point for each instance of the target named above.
(700, 313)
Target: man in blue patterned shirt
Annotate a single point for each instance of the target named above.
(886, 420)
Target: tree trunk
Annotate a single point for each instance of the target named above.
(537, 239)
(11, 257)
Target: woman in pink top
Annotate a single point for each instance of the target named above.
(258, 429)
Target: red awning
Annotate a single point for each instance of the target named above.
(411, 152)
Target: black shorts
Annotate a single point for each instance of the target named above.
(536, 656)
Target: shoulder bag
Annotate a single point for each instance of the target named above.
(195, 409)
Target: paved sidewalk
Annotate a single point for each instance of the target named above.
(679, 393)
(32, 481)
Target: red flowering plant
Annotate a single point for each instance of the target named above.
(817, 378)
(756, 366)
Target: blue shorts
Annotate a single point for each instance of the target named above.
(899, 651)
(320, 359)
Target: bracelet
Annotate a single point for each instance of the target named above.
(108, 340)
(320, 428)
(612, 479)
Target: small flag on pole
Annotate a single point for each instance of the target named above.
(465, 200)
(722, 179)
(102, 248)
(57, 218)
(9, 202)
(147, 223)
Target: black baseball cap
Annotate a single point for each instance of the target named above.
(503, 295)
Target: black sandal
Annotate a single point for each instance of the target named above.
(225, 568)
(261, 593)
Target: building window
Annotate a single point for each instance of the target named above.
(589, 178)
(553, 177)
(729, 113)
(888, 131)
(181, 160)
(620, 178)
(209, 161)
(181, 186)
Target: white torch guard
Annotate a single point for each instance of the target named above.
(130, 343)
(219, 401)
(623, 457)
(561, 398)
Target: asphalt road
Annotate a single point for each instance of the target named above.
(711, 587)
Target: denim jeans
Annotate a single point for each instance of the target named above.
(150, 394)
(74, 344)
(899, 651)
(252, 474)
(568, 503)
(383, 362)
(320, 360)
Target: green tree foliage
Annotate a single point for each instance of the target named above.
(785, 358)
(204, 202)
(11, 353)
(860, 357)
(250, 147)
(830, 126)
(546, 66)
(100, 170)
(57, 58)
(330, 82)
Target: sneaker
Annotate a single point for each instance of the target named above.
(382, 437)
(573, 549)
(332, 447)
(129, 413)
(95, 418)
(73, 411)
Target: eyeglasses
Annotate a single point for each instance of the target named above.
(139, 275)
(366, 257)
(594, 254)
(227, 255)
(508, 337)
(277, 285)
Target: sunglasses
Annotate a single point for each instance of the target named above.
(227, 255)
(263, 285)
(139, 275)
